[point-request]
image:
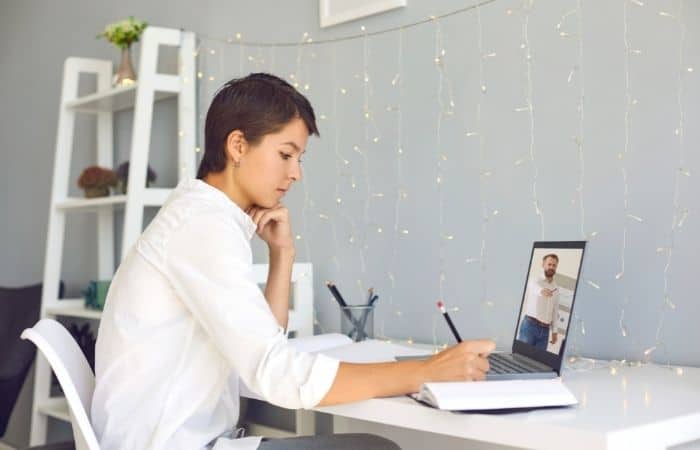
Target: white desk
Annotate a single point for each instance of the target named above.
(649, 407)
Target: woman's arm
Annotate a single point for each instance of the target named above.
(278, 280)
(463, 362)
(274, 229)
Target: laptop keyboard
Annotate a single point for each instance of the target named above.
(506, 364)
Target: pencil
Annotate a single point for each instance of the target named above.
(449, 321)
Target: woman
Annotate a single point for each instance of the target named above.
(184, 321)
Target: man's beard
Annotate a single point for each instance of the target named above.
(549, 273)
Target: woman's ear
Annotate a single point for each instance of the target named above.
(236, 147)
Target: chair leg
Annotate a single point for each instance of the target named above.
(306, 422)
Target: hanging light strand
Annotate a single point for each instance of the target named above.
(439, 64)
(339, 158)
(623, 168)
(580, 108)
(401, 193)
(678, 214)
(483, 177)
(525, 19)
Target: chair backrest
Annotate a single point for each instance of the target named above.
(19, 309)
(73, 373)
(301, 310)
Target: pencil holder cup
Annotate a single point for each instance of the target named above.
(357, 322)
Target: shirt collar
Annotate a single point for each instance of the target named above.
(544, 279)
(220, 198)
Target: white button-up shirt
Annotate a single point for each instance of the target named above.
(183, 321)
(544, 309)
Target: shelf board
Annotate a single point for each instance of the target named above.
(115, 99)
(73, 308)
(152, 197)
(56, 407)
(90, 203)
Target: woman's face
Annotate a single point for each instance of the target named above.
(267, 170)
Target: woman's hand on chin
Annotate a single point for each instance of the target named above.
(273, 226)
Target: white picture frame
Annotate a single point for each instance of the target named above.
(333, 12)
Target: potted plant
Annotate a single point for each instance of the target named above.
(96, 181)
(123, 176)
(123, 34)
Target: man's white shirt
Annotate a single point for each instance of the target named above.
(544, 309)
(183, 322)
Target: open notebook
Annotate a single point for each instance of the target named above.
(495, 395)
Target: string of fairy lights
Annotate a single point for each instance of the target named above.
(444, 109)
(352, 157)
(679, 212)
(629, 103)
(400, 191)
(529, 108)
(484, 174)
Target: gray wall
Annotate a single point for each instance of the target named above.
(36, 37)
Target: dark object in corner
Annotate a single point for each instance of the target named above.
(19, 309)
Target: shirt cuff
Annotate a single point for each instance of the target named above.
(319, 382)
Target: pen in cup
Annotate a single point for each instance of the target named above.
(372, 298)
(449, 321)
(343, 305)
(336, 294)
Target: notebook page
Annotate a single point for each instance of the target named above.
(497, 394)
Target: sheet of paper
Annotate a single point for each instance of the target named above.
(370, 351)
(319, 342)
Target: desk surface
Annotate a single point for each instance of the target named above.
(622, 408)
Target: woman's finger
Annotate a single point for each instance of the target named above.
(278, 214)
(258, 214)
(482, 364)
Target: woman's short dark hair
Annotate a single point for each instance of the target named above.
(257, 105)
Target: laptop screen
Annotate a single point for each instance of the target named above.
(548, 301)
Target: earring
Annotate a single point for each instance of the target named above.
(236, 164)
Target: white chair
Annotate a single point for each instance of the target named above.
(73, 373)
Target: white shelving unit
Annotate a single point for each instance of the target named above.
(141, 96)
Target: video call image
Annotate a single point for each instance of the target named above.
(549, 295)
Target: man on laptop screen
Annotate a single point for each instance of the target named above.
(541, 306)
(548, 298)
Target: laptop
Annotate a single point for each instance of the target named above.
(545, 314)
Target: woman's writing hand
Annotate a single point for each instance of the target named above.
(466, 361)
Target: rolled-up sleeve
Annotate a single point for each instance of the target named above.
(555, 312)
(207, 261)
